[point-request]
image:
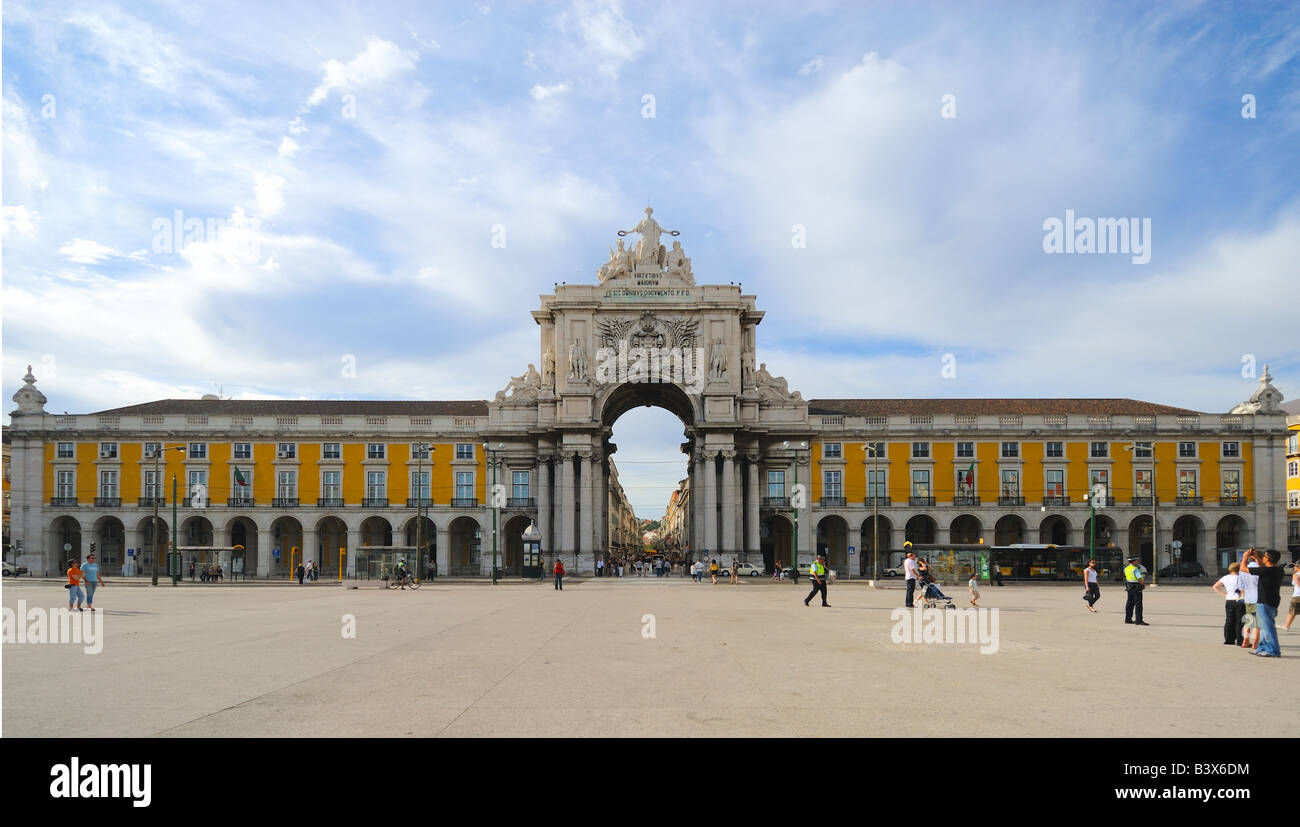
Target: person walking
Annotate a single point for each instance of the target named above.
(1091, 589)
(559, 575)
(1270, 598)
(301, 573)
(776, 571)
(1133, 582)
(817, 571)
(974, 585)
(909, 575)
(600, 567)
(713, 570)
(93, 580)
(735, 577)
(1295, 600)
(75, 594)
(1234, 604)
(191, 569)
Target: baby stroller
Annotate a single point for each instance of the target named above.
(931, 596)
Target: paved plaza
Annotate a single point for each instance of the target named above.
(471, 659)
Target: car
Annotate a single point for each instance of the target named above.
(747, 570)
(896, 571)
(1187, 568)
(11, 570)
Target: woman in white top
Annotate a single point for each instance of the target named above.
(1295, 600)
(1234, 607)
(1091, 591)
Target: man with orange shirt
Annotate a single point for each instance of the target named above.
(75, 593)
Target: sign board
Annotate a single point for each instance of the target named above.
(130, 552)
(275, 552)
(852, 550)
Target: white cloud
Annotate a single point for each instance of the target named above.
(288, 147)
(610, 38)
(813, 66)
(270, 194)
(83, 251)
(379, 61)
(540, 92)
(19, 220)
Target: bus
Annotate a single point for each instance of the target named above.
(1019, 562)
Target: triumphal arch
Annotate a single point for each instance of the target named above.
(646, 333)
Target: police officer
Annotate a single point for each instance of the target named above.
(817, 570)
(1133, 582)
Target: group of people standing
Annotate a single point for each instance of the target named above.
(1252, 592)
(310, 571)
(638, 566)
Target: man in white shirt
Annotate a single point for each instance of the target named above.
(1234, 605)
(909, 573)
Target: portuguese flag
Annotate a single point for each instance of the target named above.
(240, 479)
(970, 476)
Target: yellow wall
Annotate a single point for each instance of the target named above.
(354, 473)
(308, 472)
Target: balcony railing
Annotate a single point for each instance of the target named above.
(417, 502)
(832, 502)
(1011, 501)
(1059, 500)
(464, 502)
(108, 502)
(1188, 500)
(239, 502)
(150, 502)
(521, 502)
(1144, 502)
(876, 501)
(374, 502)
(284, 502)
(1230, 500)
(329, 502)
(776, 502)
(965, 499)
(921, 501)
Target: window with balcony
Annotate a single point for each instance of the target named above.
(108, 450)
(242, 450)
(876, 487)
(420, 486)
(286, 485)
(1010, 450)
(465, 485)
(920, 450)
(776, 485)
(376, 450)
(464, 450)
(519, 487)
(921, 482)
(1098, 450)
(1142, 487)
(419, 450)
(1187, 485)
(1055, 449)
(286, 450)
(832, 487)
(1187, 450)
(832, 450)
(1142, 450)
(965, 450)
(1231, 450)
(1096, 477)
(1055, 485)
(151, 488)
(376, 485)
(240, 492)
(331, 486)
(65, 451)
(108, 485)
(1010, 490)
(331, 450)
(1232, 486)
(196, 494)
(197, 450)
(66, 487)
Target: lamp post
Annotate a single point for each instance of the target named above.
(493, 462)
(157, 491)
(175, 529)
(871, 449)
(1155, 553)
(794, 501)
(420, 449)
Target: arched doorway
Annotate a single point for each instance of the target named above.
(331, 539)
(1054, 530)
(966, 529)
(1009, 531)
(197, 532)
(1139, 539)
(776, 538)
(466, 547)
(64, 544)
(142, 562)
(867, 564)
(512, 552)
(242, 531)
(1106, 533)
(833, 541)
(1230, 537)
(920, 529)
(110, 540)
(426, 536)
(286, 534)
(1189, 530)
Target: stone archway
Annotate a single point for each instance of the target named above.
(777, 537)
(466, 547)
(920, 529)
(1055, 530)
(965, 530)
(867, 562)
(833, 541)
(64, 544)
(1009, 531)
(110, 539)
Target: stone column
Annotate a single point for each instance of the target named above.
(710, 504)
(752, 547)
(354, 545)
(697, 502)
(729, 502)
(310, 551)
(265, 542)
(586, 546)
(544, 503)
(443, 550)
(602, 495)
(564, 503)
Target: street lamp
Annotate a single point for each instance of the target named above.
(1155, 553)
(873, 451)
(794, 501)
(493, 462)
(421, 448)
(157, 490)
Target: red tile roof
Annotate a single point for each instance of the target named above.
(885, 407)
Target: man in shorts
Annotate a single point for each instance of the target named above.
(1249, 583)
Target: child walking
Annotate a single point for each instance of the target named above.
(974, 585)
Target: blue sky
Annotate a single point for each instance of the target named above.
(372, 148)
